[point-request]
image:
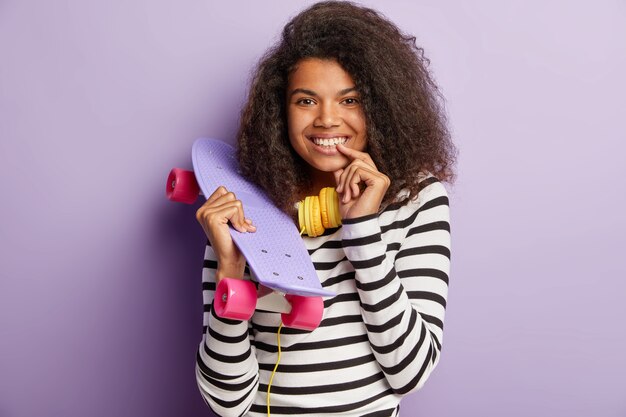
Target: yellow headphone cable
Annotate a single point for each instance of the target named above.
(315, 214)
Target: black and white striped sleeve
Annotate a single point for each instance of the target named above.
(403, 294)
(227, 371)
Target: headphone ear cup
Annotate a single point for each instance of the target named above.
(301, 222)
(329, 208)
(307, 216)
(316, 217)
(332, 201)
(324, 207)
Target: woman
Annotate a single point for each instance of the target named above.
(343, 100)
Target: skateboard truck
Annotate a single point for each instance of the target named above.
(238, 299)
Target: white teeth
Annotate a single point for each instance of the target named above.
(328, 142)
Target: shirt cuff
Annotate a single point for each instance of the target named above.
(227, 327)
(361, 239)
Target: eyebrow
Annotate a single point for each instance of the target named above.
(314, 94)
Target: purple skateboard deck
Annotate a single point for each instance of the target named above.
(276, 254)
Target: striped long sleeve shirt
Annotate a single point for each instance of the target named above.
(380, 336)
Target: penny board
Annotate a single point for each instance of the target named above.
(275, 252)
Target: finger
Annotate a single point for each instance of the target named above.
(240, 221)
(346, 187)
(219, 191)
(337, 175)
(220, 195)
(348, 190)
(251, 227)
(217, 218)
(220, 200)
(236, 214)
(363, 176)
(229, 196)
(358, 155)
(216, 228)
(353, 179)
(229, 211)
(340, 175)
(341, 187)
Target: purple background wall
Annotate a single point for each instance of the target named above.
(100, 307)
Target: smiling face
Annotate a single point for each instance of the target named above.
(324, 109)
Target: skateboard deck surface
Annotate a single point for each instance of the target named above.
(276, 254)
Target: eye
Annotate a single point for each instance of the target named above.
(305, 101)
(351, 101)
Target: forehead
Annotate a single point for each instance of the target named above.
(319, 74)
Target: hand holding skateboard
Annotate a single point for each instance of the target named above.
(220, 209)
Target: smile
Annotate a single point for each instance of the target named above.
(329, 142)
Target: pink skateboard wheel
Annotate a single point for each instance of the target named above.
(182, 186)
(306, 312)
(235, 299)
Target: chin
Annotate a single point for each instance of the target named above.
(331, 166)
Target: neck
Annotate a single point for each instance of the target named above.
(320, 180)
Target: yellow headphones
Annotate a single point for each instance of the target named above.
(317, 213)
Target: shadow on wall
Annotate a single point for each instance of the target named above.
(176, 254)
(179, 242)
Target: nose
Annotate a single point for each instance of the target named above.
(327, 116)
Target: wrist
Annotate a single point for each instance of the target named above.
(229, 270)
(360, 218)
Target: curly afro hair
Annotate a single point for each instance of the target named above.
(407, 133)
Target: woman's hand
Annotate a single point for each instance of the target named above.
(221, 208)
(361, 187)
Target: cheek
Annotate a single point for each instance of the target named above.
(295, 121)
(295, 138)
(291, 128)
(358, 125)
(290, 120)
(357, 121)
